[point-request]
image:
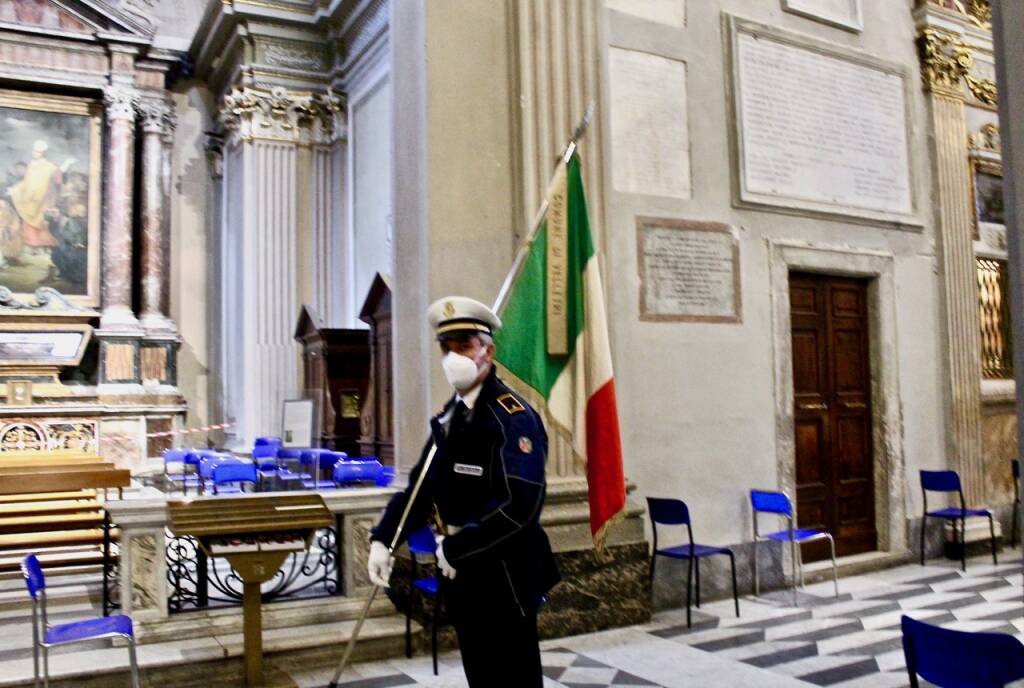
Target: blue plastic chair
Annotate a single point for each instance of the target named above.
(265, 457)
(185, 476)
(315, 463)
(675, 512)
(355, 471)
(291, 455)
(267, 442)
(959, 659)
(777, 503)
(230, 476)
(386, 476)
(949, 481)
(324, 466)
(422, 545)
(45, 635)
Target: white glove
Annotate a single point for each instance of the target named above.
(447, 570)
(379, 564)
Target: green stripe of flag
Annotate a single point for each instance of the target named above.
(522, 340)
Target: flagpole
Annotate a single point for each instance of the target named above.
(538, 218)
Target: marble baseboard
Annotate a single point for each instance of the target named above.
(669, 588)
(598, 591)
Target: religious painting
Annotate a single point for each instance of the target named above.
(50, 195)
(988, 193)
(44, 13)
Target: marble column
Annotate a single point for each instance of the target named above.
(263, 227)
(117, 231)
(945, 63)
(154, 259)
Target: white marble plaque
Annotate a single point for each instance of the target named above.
(650, 139)
(671, 12)
(842, 13)
(820, 132)
(688, 271)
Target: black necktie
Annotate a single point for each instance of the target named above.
(459, 414)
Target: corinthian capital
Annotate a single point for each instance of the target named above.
(120, 102)
(152, 115)
(278, 114)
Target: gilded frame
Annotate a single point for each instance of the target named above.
(92, 111)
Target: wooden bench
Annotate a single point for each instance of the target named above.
(49, 505)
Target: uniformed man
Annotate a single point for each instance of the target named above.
(486, 484)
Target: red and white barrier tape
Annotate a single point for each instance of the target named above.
(169, 433)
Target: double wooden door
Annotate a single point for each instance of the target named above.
(832, 399)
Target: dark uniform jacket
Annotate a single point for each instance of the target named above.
(487, 479)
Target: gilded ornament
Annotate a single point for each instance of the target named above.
(946, 61)
(987, 138)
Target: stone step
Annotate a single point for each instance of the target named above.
(276, 615)
(216, 661)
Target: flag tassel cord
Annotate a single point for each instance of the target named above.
(538, 218)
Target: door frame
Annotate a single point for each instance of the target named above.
(886, 417)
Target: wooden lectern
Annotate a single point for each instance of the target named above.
(255, 534)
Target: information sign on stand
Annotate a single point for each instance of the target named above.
(297, 430)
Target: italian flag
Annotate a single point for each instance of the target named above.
(554, 341)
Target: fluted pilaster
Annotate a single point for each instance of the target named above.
(558, 58)
(277, 189)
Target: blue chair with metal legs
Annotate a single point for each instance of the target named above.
(949, 481)
(265, 457)
(267, 442)
(230, 477)
(960, 659)
(778, 504)
(422, 546)
(210, 462)
(324, 466)
(287, 456)
(357, 471)
(185, 476)
(675, 512)
(46, 635)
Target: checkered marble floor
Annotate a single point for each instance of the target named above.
(852, 641)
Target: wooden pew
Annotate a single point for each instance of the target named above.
(49, 505)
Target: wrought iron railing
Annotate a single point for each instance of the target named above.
(994, 304)
(198, 582)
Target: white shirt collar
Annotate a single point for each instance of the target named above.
(470, 397)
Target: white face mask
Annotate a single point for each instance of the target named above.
(460, 371)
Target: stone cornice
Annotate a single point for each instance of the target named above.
(280, 115)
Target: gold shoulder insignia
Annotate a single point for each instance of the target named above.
(510, 403)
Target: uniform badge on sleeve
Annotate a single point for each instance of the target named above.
(525, 445)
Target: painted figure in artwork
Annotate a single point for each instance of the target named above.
(36, 194)
(45, 201)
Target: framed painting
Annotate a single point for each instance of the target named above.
(50, 195)
(987, 190)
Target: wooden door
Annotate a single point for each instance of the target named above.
(832, 412)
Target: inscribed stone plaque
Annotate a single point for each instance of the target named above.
(842, 13)
(688, 271)
(820, 130)
(671, 12)
(650, 139)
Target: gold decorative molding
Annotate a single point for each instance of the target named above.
(282, 115)
(979, 12)
(986, 139)
(946, 61)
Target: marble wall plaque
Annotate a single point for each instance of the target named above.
(818, 129)
(689, 271)
(845, 14)
(670, 12)
(650, 138)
